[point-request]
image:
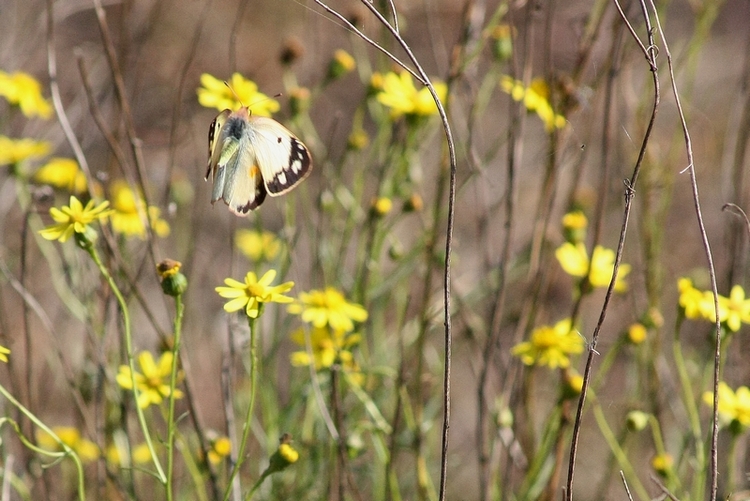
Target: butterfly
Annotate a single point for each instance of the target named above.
(251, 156)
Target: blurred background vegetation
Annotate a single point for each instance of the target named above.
(548, 102)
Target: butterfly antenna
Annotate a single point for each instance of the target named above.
(234, 93)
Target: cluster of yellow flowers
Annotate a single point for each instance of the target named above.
(699, 305)
(535, 98)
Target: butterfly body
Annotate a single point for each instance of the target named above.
(250, 157)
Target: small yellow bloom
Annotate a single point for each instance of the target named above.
(168, 268)
(127, 207)
(4, 352)
(214, 94)
(13, 151)
(288, 453)
(22, 89)
(328, 347)
(550, 346)
(535, 98)
(358, 140)
(574, 226)
(381, 206)
(258, 246)
(341, 64)
(250, 294)
(575, 220)
(220, 448)
(734, 406)
(70, 436)
(63, 173)
(74, 218)
(377, 81)
(637, 333)
(140, 455)
(414, 203)
(662, 464)
(502, 35)
(574, 260)
(573, 384)
(328, 307)
(284, 456)
(153, 384)
(400, 95)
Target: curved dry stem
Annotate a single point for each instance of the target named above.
(714, 474)
(650, 53)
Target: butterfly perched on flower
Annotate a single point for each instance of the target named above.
(250, 157)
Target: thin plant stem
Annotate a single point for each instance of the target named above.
(699, 479)
(67, 451)
(160, 475)
(650, 53)
(171, 424)
(709, 258)
(252, 322)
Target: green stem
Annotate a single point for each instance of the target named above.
(172, 425)
(622, 459)
(249, 416)
(699, 480)
(68, 450)
(131, 361)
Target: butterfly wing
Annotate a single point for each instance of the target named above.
(214, 132)
(284, 160)
(236, 177)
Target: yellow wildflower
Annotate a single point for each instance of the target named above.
(328, 307)
(637, 333)
(733, 405)
(74, 218)
(4, 352)
(13, 151)
(662, 464)
(401, 96)
(126, 216)
(250, 294)
(550, 346)
(381, 206)
(63, 173)
(220, 448)
(87, 450)
(535, 98)
(153, 384)
(328, 347)
(736, 308)
(140, 454)
(341, 64)
(214, 94)
(574, 260)
(283, 457)
(358, 140)
(575, 220)
(22, 89)
(258, 245)
(691, 299)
